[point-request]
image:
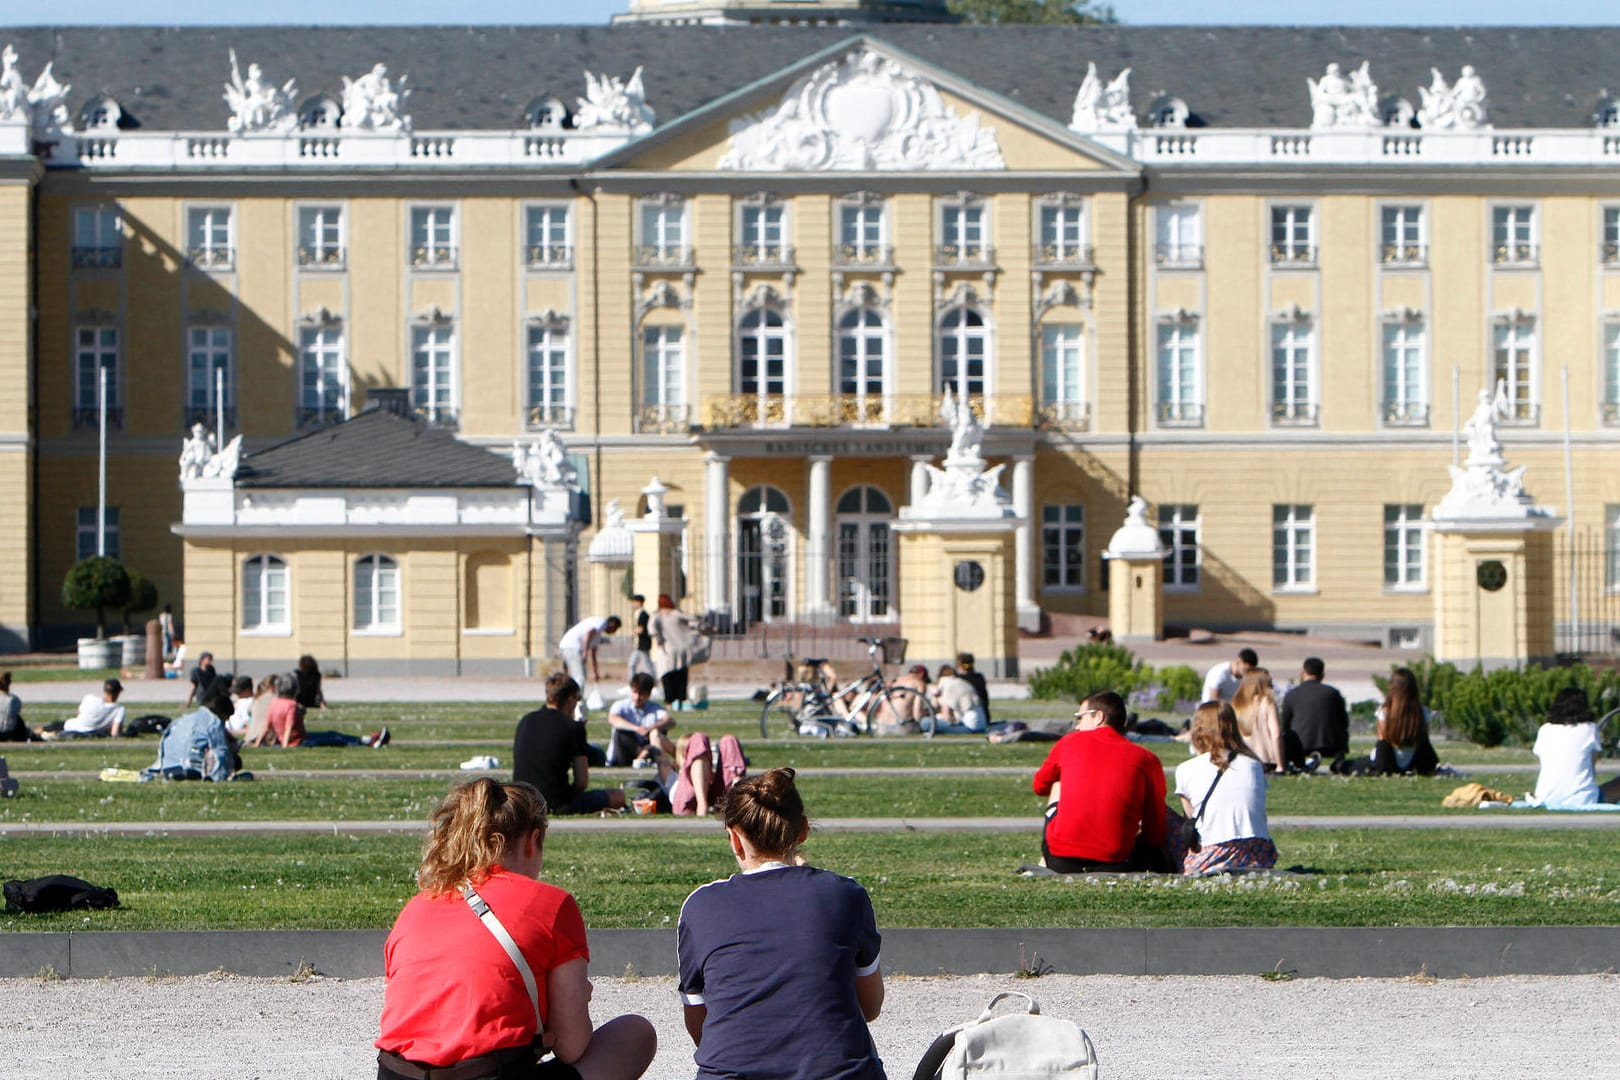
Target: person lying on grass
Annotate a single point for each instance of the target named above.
(284, 723)
(455, 996)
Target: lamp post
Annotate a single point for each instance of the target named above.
(101, 468)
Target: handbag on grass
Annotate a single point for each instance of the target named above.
(1189, 826)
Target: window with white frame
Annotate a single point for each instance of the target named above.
(964, 351)
(264, 594)
(1513, 363)
(376, 595)
(95, 358)
(1293, 546)
(1609, 244)
(98, 238)
(210, 375)
(1293, 234)
(433, 371)
(1062, 232)
(862, 235)
(1063, 372)
(663, 366)
(1513, 235)
(762, 361)
(962, 233)
(863, 361)
(433, 237)
(1178, 235)
(1611, 372)
(549, 394)
(663, 232)
(1063, 547)
(323, 375)
(762, 233)
(1402, 238)
(1179, 395)
(547, 235)
(1403, 546)
(1405, 382)
(85, 535)
(1293, 375)
(320, 237)
(1178, 532)
(209, 243)
(1611, 545)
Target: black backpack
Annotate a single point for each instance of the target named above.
(58, 892)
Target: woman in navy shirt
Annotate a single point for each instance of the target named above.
(779, 966)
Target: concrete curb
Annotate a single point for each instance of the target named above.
(1339, 953)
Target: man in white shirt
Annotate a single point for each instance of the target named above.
(99, 714)
(580, 644)
(639, 724)
(241, 718)
(1224, 678)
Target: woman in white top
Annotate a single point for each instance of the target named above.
(960, 712)
(1232, 826)
(1568, 746)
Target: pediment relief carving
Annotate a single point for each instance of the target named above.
(662, 294)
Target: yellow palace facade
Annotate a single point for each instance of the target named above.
(1252, 279)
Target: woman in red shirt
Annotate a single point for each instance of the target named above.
(455, 997)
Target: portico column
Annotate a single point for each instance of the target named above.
(716, 532)
(1023, 493)
(818, 536)
(919, 477)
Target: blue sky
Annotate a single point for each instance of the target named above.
(1364, 12)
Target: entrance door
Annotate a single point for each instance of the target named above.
(763, 535)
(865, 555)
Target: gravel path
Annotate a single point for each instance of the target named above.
(1229, 1028)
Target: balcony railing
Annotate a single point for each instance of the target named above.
(974, 256)
(548, 255)
(1404, 254)
(1406, 414)
(211, 258)
(724, 411)
(1294, 413)
(207, 416)
(1515, 254)
(1179, 414)
(747, 411)
(319, 416)
(321, 256)
(1293, 254)
(98, 258)
(1522, 414)
(846, 256)
(1048, 256)
(1609, 252)
(433, 257)
(1065, 416)
(439, 417)
(88, 416)
(538, 417)
(663, 257)
(1609, 413)
(663, 419)
(762, 256)
(1179, 256)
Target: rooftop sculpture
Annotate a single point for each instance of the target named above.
(612, 104)
(1337, 102)
(373, 103)
(1099, 107)
(258, 105)
(1461, 106)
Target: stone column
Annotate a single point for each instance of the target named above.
(818, 537)
(1023, 496)
(716, 533)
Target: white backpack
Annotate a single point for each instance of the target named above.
(1013, 1046)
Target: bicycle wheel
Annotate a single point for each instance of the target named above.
(779, 716)
(907, 704)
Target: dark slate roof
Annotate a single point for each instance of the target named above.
(483, 77)
(376, 450)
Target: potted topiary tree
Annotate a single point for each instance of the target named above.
(143, 596)
(96, 584)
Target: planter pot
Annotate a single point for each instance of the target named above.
(99, 653)
(133, 649)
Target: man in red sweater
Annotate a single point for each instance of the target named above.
(1107, 808)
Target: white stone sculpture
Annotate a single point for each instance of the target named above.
(224, 463)
(1460, 107)
(1483, 487)
(258, 105)
(1337, 102)
(47, 107)
(865, 112)
(1099, 107)
(612, 104)
(195, 452)
(614, 514)
(373, 103)
(544, 462)
(13, 90)
(967, 436)
(964, 487)
(1136, 539)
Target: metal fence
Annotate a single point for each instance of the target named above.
(1588, 572)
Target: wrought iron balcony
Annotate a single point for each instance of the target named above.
(548, 255)
(211, 258)
(321, 256)
(1179, 256)
(1294, 413)
(89, 416)
(747, 411)
(434, 257)
(1515, 254)
(438, 416)
(1406, 414)
(319, 416)
(1522, 414)
(1404, 254)
(1609, 412)
(762, 256)
(663, 419)
(964, 256)
(539, 417)
(725, 411)
(869, 256)
(1179, 414)
(1303, 255)
(1062, 256)
(1609, 252)
(98, 257)
(1065, 416)
(663, 257)
(207, 416)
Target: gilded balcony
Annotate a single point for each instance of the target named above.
(663, 419)
(742, 411)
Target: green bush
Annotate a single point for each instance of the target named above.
(143, 596)
(96, 583)
(1089, 669)
(1507, 705)
(1179, 683)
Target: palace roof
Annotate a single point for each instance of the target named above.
(376, 449)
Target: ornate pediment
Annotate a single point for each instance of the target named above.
(864, 112)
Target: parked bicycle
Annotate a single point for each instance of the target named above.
(808, 706)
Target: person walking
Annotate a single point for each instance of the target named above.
(674, 635)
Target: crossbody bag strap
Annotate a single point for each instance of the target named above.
(1218, 774)
(496, 928)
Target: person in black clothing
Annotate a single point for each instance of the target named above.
(641, 652)
(202, 680)
(964, 670)
(309, 683)
(550, 744)
(1315, 722)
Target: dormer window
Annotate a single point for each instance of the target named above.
(546, 114)
(320, 114)
(101, 113)
(1167, 112)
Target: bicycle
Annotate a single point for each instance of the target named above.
(806, 706)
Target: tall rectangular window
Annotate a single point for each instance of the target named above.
(1609, 243)
(209, 245)
(1293, 546)
(95, 351)
(548, 377)
(85, 533)
(1405, 390)
(763, 232)
(1611, 372)
(663, 232)
(210, 376)
(1293, 235)
(433, 238)
(433, 372)
(376, 595)
(962, 233)
(1063, 372)
(264, 595)
(1063, 547)
(1403, 546)
(1513, 235)
(860, 233)
(1403, 243)
(663, 358)
(1178, 391)
(98, 238)
(1063, 235)
(1513, 352)
(1178, 235)
(323, 376)
(547, 237)
(1178, 532)
(320, 237)
(1293, 389)
(1611, 545)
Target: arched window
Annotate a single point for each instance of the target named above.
(764, 536)
(376, 594)
(863, 367)
(865, 554)
(762, 363)
(964, 350)
(264, 594)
